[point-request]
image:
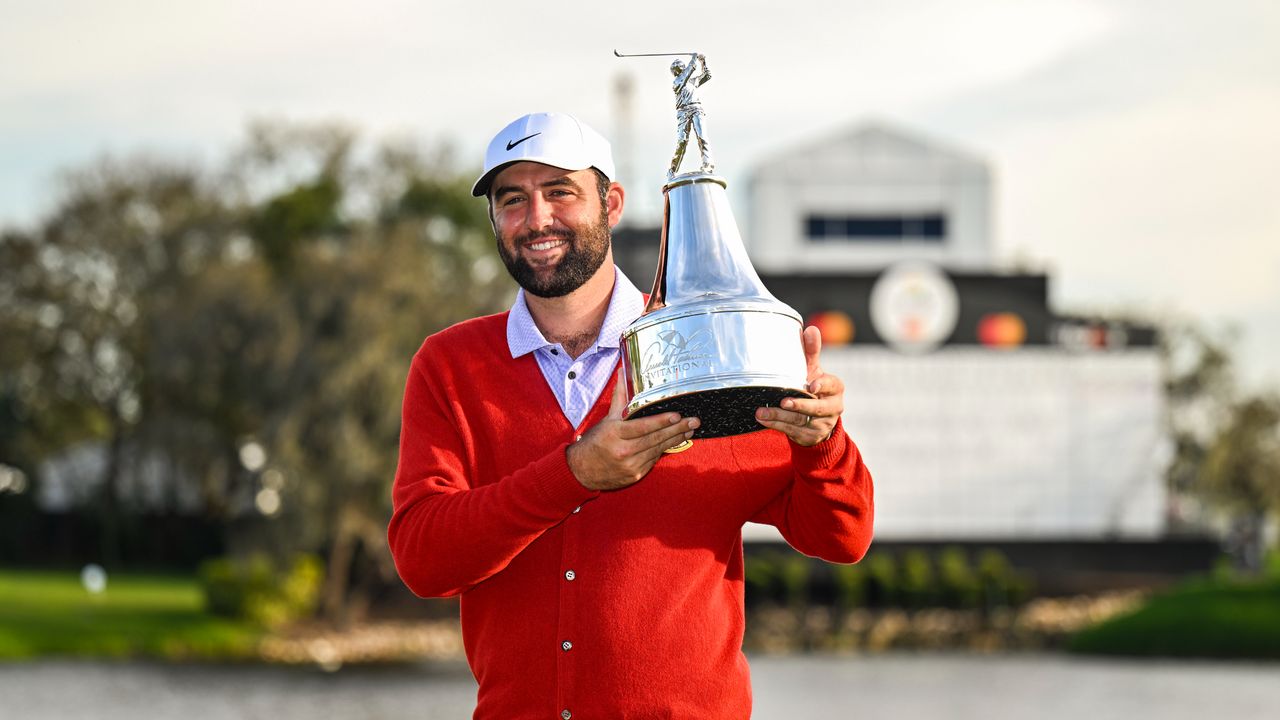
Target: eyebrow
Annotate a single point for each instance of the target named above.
(562, 181)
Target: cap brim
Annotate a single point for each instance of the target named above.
(481, 188)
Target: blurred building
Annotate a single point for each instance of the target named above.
(866, 199)
(987, 418)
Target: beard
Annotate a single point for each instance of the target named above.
(588, 246)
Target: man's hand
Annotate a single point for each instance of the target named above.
(805, 421)
(617, 453)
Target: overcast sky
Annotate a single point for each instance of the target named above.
(1134, 143)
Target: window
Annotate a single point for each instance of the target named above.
(890, 227)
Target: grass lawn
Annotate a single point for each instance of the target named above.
(1204, 618)
(161, 616)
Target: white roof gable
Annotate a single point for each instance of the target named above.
(872, 148)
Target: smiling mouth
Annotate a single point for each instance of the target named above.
(546, 244)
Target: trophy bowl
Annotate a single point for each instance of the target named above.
(713, 343)
(717, 360)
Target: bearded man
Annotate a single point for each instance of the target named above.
(599, 577)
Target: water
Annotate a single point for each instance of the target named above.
(897, 686)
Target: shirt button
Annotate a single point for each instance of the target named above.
(565, 714)
(570, 575)
(566, 646)
(555, 351)
(572, 374)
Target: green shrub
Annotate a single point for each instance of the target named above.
(1224, 569)
(1002, 586)
(795, 570)
(851, 586)
(1207, 617)
(883, 589)
(959, 586)
(1271, 564)
(919, 586)
(257, 590)
(915, 579)
(760, 573)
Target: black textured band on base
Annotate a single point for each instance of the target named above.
(723, 411)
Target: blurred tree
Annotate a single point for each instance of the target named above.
(1226, 442)
(1241, 469)
(122, 240)
(350, 266)
(1199, 388)
(251, 327)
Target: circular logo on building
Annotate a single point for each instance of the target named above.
(914, 307)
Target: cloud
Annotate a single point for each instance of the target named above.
(1172, 202)
(1133, 142)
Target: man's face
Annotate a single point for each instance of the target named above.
(551, 226)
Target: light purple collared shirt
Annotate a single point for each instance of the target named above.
(576, 382)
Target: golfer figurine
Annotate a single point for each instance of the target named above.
(689, 112)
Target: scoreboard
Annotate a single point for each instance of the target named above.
(970, 443)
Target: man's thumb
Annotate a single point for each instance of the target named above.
(619, 402)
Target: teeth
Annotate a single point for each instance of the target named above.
(546, 245)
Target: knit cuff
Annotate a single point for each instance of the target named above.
(826, 453)
(557, 483)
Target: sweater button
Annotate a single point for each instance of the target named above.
(570, 575)
(565, 714)
(566, 646)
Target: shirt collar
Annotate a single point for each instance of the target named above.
(625, 305)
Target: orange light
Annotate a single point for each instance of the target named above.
(836, 327)
(1002, 330)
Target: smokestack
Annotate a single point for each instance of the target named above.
(623, 142)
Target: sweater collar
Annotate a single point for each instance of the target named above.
(625, 305)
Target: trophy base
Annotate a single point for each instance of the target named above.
(722, 411)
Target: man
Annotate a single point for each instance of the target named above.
(599, 577)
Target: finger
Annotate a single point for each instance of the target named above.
(619, 402)
(638, 428)
(799, 433)
(663, 437)
(812, 348)
(820, 407)
(652, 455)
(826, 385)
(810, 434)
(798, 418)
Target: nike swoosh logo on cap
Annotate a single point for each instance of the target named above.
(513, 144)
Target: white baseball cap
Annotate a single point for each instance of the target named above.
(554, 139)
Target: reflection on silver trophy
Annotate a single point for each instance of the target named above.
(712, 342)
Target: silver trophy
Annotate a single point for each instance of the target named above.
(713, 342)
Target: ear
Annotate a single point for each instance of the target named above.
(614, 199)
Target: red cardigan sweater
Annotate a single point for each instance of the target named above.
(624, 604)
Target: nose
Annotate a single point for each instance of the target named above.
(539, 214)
